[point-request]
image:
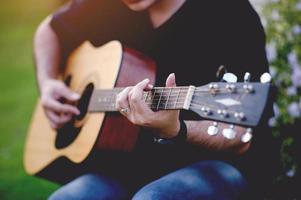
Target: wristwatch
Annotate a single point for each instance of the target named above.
(180, 138)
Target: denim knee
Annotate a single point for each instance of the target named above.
(203, 180)
(225, 171)
(90, 186)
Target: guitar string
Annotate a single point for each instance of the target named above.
(198, 105)
(113, 95)
(163, 94)
(160, 100)
(193, 104)
(214, 107)
(172, 99)
(169, 88)
(169, 97)
(164, 101)
(154, 97)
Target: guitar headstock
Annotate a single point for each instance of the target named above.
(239, 103)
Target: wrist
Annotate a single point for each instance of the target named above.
(45, 78)
(45, 83)
(172, 131)
(179, 138)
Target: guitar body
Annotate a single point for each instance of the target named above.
(88, 68)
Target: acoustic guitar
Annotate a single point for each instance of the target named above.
(99, 74)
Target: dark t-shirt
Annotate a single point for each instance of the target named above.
(193, 43)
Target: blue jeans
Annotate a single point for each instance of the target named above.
(203, 180)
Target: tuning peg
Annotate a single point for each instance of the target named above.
(213, 129)
(206, 110)
(248, 88)
(240, 116)
(231, 87)
(230, 77)
(265, 78)
(229, 133)
(220, 72)
(223, 113)
(247, 77)
(245, 138)
(213, 86)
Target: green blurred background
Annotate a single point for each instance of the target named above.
(18, 21)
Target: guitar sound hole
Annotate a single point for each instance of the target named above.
(83, 103)
(68, 133)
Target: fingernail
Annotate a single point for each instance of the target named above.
(146, 80)
(150, 86)
(75, 96)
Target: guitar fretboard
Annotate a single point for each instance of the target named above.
(159, 98)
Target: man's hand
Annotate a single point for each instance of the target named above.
(57, 112)
(131, 104)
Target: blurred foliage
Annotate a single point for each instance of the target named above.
(283, 28)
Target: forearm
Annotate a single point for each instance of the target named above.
(46, 52)
(197, 134)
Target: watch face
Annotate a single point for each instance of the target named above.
(162, 141)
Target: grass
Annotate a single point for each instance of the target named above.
(18, 20)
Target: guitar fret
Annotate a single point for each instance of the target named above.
(158, 104)
(152, 99)
(147, 94)
(179, 91)
(168, 98)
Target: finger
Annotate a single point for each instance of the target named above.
(149, 87)
(65, 117)
(53, 125)
(136, 97)
(137, 92)
(65, 92)
(53, 118)
(171, 80)
(58, 120)
(122, 99)
(59, 107)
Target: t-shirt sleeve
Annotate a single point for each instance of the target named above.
(71, 22)
(89, 19)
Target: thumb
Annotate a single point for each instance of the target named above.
(65, 92)
(171, 80)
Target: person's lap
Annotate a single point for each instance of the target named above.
(202, 180)
(90, 186)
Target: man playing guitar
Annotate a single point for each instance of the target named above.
(189, 40)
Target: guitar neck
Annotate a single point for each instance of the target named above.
(159, 98)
